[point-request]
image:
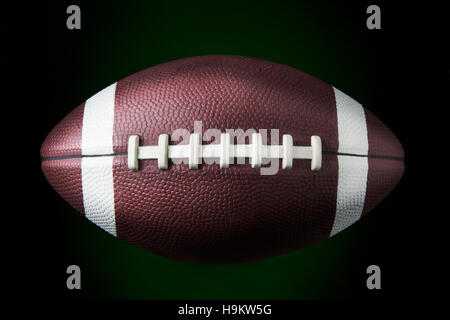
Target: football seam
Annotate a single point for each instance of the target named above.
(125, 153)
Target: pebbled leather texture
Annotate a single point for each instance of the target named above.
(218, 215)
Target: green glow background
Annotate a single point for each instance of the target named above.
(326, 40)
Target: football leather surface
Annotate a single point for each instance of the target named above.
(215, 214)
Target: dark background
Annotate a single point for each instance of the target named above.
(400, 73)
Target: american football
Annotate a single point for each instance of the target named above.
(222, 159)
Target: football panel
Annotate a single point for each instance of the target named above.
(224, 92)
(65, 138)
(64, 175)
(383, 176)
(223, 215)
(382, 141)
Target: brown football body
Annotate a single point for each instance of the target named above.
(215, 213)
